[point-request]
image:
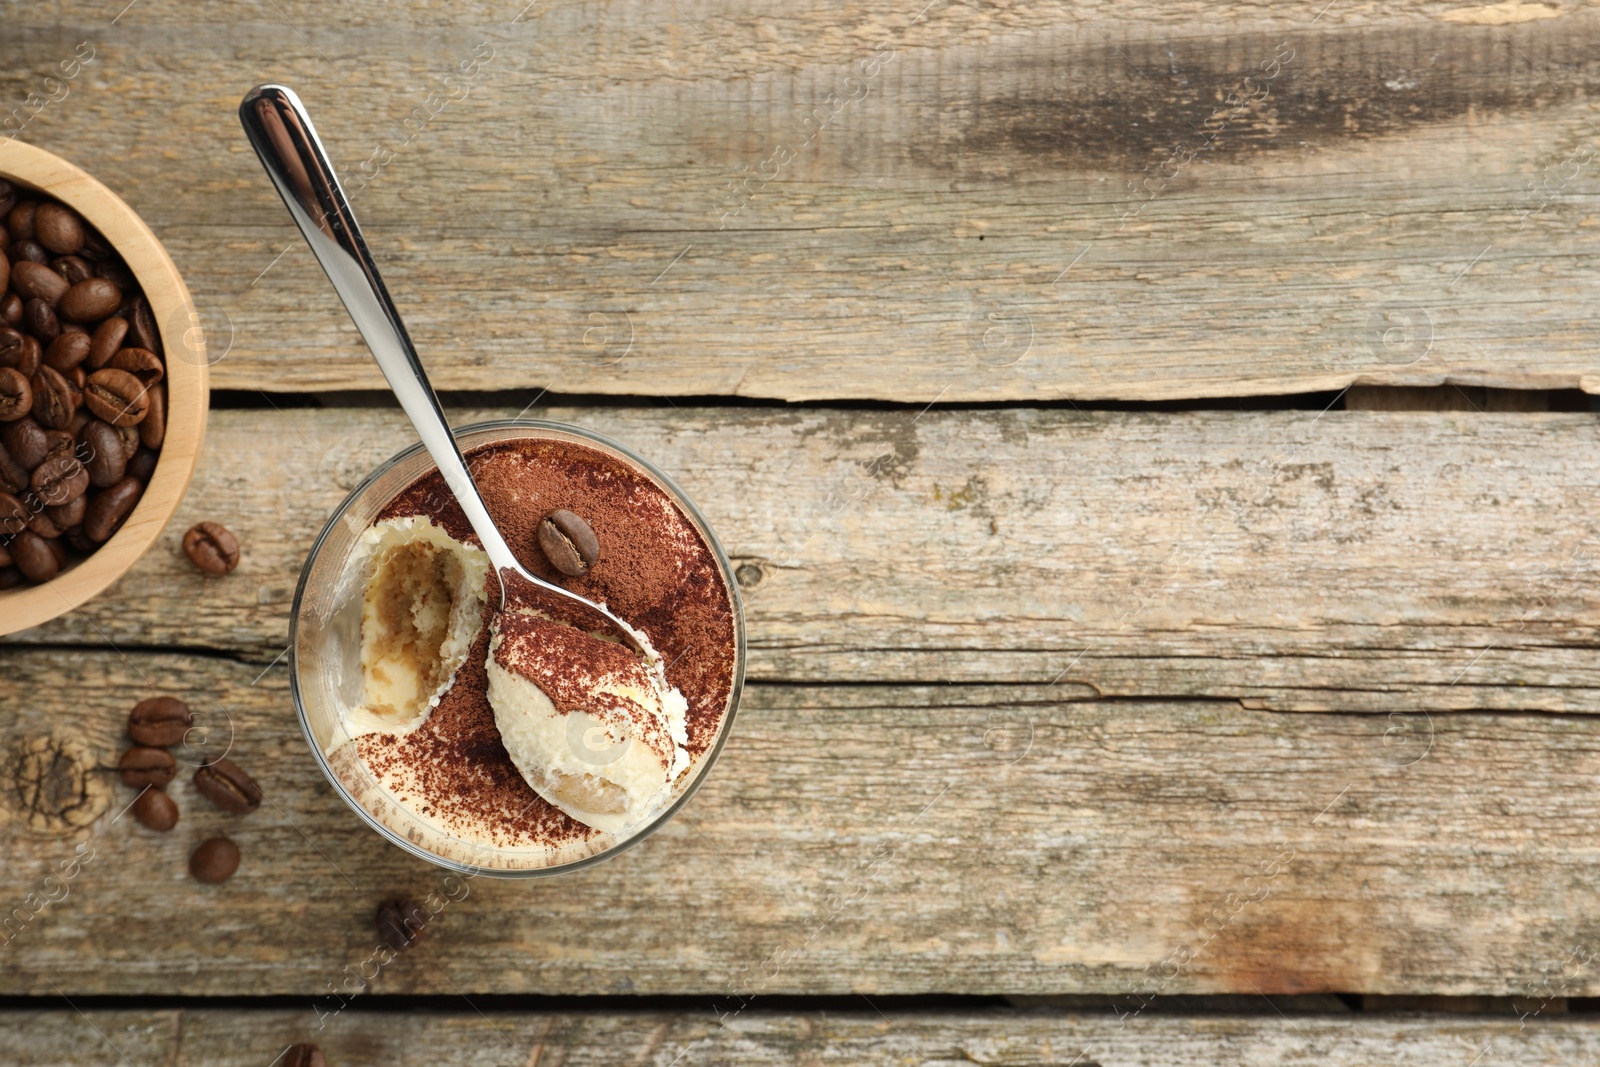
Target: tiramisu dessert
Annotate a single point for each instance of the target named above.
(517, 729)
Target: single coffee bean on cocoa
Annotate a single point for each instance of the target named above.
(10, 308)
(16, 395)
(211, 547)
(55, 400)
(106, 341)
(304, 1056)
(34, 556)
(226, 785)
(109, 507)
(214, 861)
(144, 766)
(19, 223)
(25, 440)
(569, 543)
(41, 320)
(156, 810)
(400, 923)
(73, 268)
(68, 350)
(58, 228)
(69, 514)
(116, 396)
(106, 459)
(143, 464)
(142, 363)
(60, 479)
(36, 281)
(153, 427)
(90, 300)
(159, 721)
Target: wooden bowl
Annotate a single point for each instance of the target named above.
(186, 380)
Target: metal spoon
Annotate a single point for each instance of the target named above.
(281, 133)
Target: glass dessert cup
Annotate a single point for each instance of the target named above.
(326, 676)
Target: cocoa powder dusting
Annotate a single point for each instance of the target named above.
(656, 572)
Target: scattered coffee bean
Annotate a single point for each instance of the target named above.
(214, 861)
(400, 923)
(16, 395)
(34, 556)
(58, 228)
(144, 766)
(156, 810)
(211, 547)
(227, 786)
(109, 507)
(569, 543)
(159, 722)
(304, 1056)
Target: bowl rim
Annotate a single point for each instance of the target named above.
(187, 380)
(707, 762)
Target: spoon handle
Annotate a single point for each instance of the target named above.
(281, 133)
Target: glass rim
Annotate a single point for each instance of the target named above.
(682, 499)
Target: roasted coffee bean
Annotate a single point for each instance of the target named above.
(69, 514)
(54, 398)
(106, 459)
(73, 268)
(16, 395)
(13, 478)
(10, 309)
(229, 788)
(400, 923)
(90, 300)
(60, 479)
(70, 348)
(19, 351)
(40, 320)
(153, 427)
(109, 507)
(29, 250)
(142, 327)
(569, 543)
(5, 271)
(25, 440)
(304, 1056)
(211, 547)
(159, 722)
(59, 442)
(19, 223)
(142, 363)
(40, 522)
(144, 766)
(130, 439)
(36, 281)
(95, 249)
(116, 396)
(214, 861)
(107, 340)
(143, 465)
(34, 556)
(75, 539)
(58, 228)
(14, 514)
(156, 810)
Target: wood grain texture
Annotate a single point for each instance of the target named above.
(1352, 561)
(222, 1038)
(877, 840)
(1008, 201)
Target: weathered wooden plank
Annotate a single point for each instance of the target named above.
(1352, 561)
(873, 200)
(871, 840)
(999, 1038)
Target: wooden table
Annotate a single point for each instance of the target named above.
(1191, 730)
